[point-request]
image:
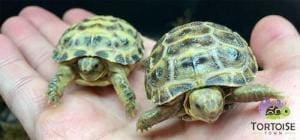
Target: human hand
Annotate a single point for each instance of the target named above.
(27, 42)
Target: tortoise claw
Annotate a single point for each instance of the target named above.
(53, 98)
(130, 109)
(142, 125)
(142, 130)
(131, 114)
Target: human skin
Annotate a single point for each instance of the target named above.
(26, 44)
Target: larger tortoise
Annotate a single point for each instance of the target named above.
(98, 51)
(198, 70)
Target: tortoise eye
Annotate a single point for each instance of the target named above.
(97, 65)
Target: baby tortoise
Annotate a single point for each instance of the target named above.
(198, 70)
(98, 51)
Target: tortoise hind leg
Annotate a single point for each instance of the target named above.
(253, 92)
(58, 83)
(229, 107)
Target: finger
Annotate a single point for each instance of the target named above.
(149, 44)
(47, 23)
(275, 41)
(76, 15)
(36, 49)
(21, 87)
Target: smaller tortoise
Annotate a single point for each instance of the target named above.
(197, 71)
(98, 51)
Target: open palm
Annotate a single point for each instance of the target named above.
(27, 42)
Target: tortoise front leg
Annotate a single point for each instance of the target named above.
(58, 83)
(158, 114)
(125, 93)
(253, 92)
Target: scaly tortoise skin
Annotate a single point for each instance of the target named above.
(198, 69)
(98, 51)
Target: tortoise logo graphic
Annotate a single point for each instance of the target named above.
(275, 109)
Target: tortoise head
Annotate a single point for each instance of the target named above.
(205, 104)
(91, 68)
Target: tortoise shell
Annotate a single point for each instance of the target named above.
(107, 37)
(195, 55)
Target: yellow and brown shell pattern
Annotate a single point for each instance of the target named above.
(107, 37)
(196, 55)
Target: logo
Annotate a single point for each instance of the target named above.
(275, 112)
(275, 109)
